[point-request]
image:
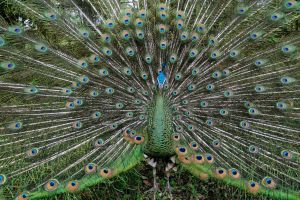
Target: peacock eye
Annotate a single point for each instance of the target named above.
(90, 168)
(52, 185)
(209, 158)
(216, 143)
(199, 157)
(3, 179)
(32, 152)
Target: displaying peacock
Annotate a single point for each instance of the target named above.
(91, 88)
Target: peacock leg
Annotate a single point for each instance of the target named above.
(169, 167)
(155, 187)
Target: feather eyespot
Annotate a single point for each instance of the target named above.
(209, 122)
(287, 80)
(260, 88)
(109, 90)
(244, 124)
(23, 196)
(99, 143)
(2, 41)
(209, 158)
(210, 87)
(139, 23)
(90, 168)
(77, 125)
(253, 111)
(110, 24)
(216, 143)
(173, 58)
(52, 185)
(31, 90)
(70, 105)
(140, 34)
(32, 152)
(253, 186)
(130, 52)
(125, 35)
(225, 72)
(268, 182)
(106, 173)
(201, 28)
(234, 173)
(190, 127)
(142, 14)
(139, 139)
(281, 105)
(94, 93)
(228, 93)
(73, 186)
(286, 154)
(180, 24)
(176, 137)
(253, 149)
(113, 126)
(148, 59)
(8, 65)
(83, 79)
(223, 112)
(126, 20)
(163, 15)
(107, 51)
(184, 36)
(220, 173)
(214, 55)
(78, 102)
(14, 126)
(162, 7)
(129, 114)
(3, 179)
(194, 145)
(181, 151)
(119, 105)
(203, 104)
(216, 74)
(199, 159)
(15, 30)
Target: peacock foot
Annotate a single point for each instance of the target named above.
(168, 169)
(155, 189)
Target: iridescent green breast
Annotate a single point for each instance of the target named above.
(159, 131)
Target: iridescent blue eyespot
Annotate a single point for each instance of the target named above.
(260, 88)
(15, 29)
(223, 112)
(253, 149)
(281, 105)
(253, 111)
(109, 90)
(217, 74)
(209, 122)
(83, 79)
(210, 87)
(2, 41)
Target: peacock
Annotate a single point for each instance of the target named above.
(90, 89)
